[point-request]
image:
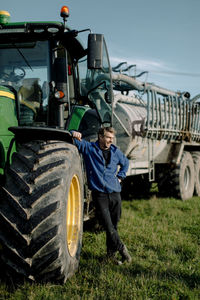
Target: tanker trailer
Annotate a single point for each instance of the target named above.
(157, 129)
(159, 132)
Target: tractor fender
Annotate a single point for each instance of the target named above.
(25, 134)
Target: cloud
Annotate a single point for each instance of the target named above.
(140, 63)
(151, 66)
(162, 73)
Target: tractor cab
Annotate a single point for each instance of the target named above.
(58, 82)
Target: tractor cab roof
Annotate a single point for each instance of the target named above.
(13, 33)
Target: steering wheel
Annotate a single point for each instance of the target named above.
(16, 75)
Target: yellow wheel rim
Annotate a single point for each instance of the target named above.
(73, 215)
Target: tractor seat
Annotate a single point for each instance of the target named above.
(30, 97)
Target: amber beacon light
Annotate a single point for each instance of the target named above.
(64, 12)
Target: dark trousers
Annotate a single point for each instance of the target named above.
(108, 208)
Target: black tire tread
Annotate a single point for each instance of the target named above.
(29, 212)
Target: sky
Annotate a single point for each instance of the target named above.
(159, 36)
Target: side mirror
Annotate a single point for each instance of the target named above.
(95, 51)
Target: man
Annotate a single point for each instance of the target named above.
(102, 160)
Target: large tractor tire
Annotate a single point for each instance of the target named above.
(196, 159)
(41, 212)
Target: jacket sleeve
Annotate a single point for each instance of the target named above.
(82, 145)
(124, 164)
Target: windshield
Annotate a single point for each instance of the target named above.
(96, 85)
(24, 66)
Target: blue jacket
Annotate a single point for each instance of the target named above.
(100, 177)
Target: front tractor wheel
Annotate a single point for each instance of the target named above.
(41, 212)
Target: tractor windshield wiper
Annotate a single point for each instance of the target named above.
(22, 55)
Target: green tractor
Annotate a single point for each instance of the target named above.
(51, 84)
(47, 81)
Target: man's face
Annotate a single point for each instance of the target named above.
(106, 140)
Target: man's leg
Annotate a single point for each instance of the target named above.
(115, 213)
(115, 208)
(102, 203)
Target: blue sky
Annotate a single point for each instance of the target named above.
(159, 36)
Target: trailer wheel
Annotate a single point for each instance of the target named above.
(183, 178)
(196, 159)
(41, 212)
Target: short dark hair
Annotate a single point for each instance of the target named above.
(103, 130)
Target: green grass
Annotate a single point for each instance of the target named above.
(163, 236)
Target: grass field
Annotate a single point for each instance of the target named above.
(163, 236)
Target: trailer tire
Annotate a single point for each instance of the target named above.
(196, 159)
(41, 212)
(183, 178)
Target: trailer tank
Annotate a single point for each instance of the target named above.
(159, 132)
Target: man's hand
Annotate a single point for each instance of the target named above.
(77, 135)
(120, 179)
